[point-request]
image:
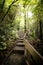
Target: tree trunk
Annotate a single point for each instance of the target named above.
(25, 26)
(40, 23)
(2, 6)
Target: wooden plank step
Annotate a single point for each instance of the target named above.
(18, 50)
(20, 40)
(20, 44)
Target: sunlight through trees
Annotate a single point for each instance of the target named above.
(20, 14)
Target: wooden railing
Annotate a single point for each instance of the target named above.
(31, 52)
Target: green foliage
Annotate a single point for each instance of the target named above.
(13, 14)
(8, 26)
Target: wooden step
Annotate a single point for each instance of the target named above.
(20, 44)
(18, 50)
(20, 40)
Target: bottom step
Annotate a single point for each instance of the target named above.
(18, 52)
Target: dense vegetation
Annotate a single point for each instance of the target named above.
(20, 14)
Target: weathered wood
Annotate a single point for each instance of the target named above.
(36, 56)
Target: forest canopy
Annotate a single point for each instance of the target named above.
(20, 14)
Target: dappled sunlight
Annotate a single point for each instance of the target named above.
(22, 23)
(34, 1)
(22, 14)
(8, 2)
(31, 22)
(30, 14)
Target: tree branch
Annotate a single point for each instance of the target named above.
(8, 10)
(3, 4)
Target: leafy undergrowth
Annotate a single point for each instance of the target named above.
(5, 52)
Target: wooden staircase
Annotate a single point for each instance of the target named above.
(19, 48)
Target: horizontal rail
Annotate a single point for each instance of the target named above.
(36, 56)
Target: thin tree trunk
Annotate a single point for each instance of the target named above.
(25, 23)
(25, 26)
(40, 23)
(2, 6)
